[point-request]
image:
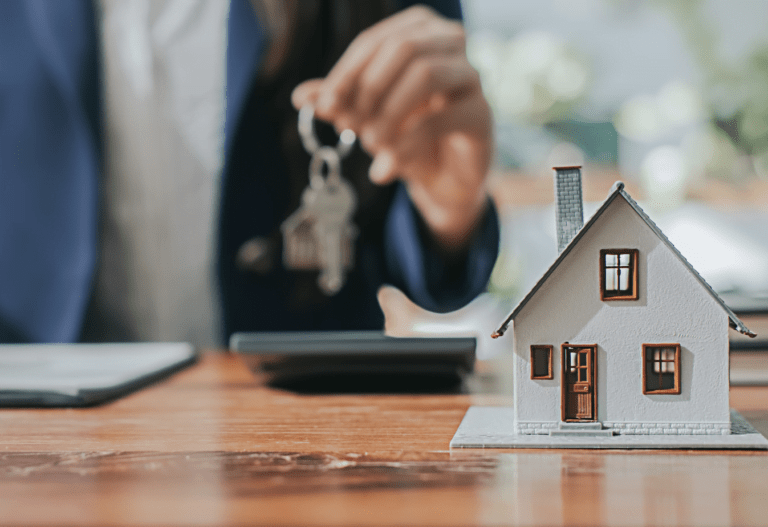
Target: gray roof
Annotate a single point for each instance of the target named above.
(618, 191)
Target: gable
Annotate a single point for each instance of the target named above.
(619, 198)
(569, 304)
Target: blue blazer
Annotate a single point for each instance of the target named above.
(49, 168)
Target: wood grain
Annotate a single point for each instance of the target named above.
(218, 405)
(211, 446)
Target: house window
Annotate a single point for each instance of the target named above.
(618, 274)
(661, 368)
(541, 362)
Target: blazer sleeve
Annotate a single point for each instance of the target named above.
(430, 278)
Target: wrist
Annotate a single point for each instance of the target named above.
(452, 225)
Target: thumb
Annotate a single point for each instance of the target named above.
(306, 93)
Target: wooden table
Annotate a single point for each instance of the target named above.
(212, 446)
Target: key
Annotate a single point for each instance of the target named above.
(331, 203)
(334, 232)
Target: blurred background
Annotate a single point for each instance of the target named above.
(669, 96)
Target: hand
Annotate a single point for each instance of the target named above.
(406, 88)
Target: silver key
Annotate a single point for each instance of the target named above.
(331, 204)
(300, 247)
(320, 234)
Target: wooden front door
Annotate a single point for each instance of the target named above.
(579, 402)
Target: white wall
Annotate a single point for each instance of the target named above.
(672, 308)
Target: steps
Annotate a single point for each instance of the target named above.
(581, 429)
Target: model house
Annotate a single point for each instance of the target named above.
(621, 334)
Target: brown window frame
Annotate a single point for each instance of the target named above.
(551, 350)
(675, 390)
(607, 295)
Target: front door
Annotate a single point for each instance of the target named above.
(579, 398)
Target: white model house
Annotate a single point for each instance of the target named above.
(621, 334)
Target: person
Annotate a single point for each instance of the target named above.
(400, 80)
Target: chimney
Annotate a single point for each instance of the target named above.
(568, 206)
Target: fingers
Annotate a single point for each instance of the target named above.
(438, 38)
(427, 87)
(419, 152)
(384, 168)
(342, 79)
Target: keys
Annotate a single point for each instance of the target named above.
(320, 234)
(331, 207)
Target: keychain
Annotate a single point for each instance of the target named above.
(320, 234)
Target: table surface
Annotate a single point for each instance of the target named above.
(212, 446)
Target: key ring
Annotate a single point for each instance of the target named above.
(310, 141)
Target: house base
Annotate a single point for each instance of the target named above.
(494, 427)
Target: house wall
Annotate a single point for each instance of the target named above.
(672, 307)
